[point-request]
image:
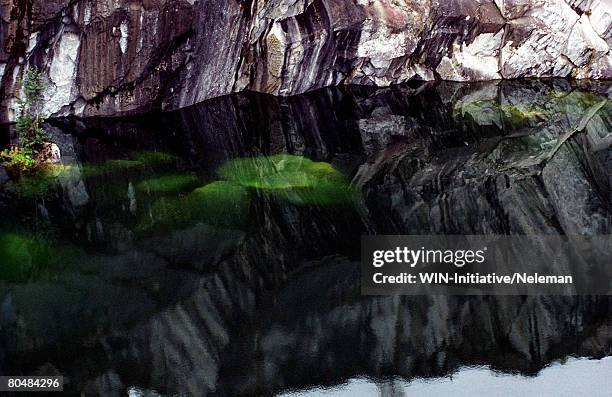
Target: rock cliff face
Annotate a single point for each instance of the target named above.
(111, 57)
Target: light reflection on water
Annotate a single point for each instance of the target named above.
(575, 377)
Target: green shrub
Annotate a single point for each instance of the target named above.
(17, 161)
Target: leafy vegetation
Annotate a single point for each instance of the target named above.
(17, 161)
(22, 160)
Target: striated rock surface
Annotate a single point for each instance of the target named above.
(116, 57)
(210, 310)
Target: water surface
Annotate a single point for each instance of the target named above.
(214, 250)
(571, 378)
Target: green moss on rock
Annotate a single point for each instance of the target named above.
(219, 203)
(168, 183)
(21, 255)
(152, 157)
(294, 178)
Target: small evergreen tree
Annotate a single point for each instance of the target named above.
(29, 120)
(30, 89)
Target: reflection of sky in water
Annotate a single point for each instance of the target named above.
(577, 377)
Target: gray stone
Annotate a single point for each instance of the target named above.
(50, 153)
(117, 57)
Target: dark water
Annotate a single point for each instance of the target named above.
(214, 251)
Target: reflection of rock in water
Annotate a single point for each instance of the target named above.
(340, 334)
(512, 182)
(238, 310)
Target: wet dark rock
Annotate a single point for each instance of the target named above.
(3, 176)
(108, 384)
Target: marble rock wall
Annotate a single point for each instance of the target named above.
(115, 57)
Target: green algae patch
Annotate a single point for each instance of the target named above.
(165, 212)
(296, 179)
(21, 256)
(581, 99)
(44, 180)
(49, 175)
(219, 203)
(322, 168)
(119, 164)
(152, 157)
(257, 171)
(110, 167)
(35, 185)
(29, 255)
(218, 193)
(168, 183)
(481, 112)
(489, 112)
(519, 116)
(576, 104)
